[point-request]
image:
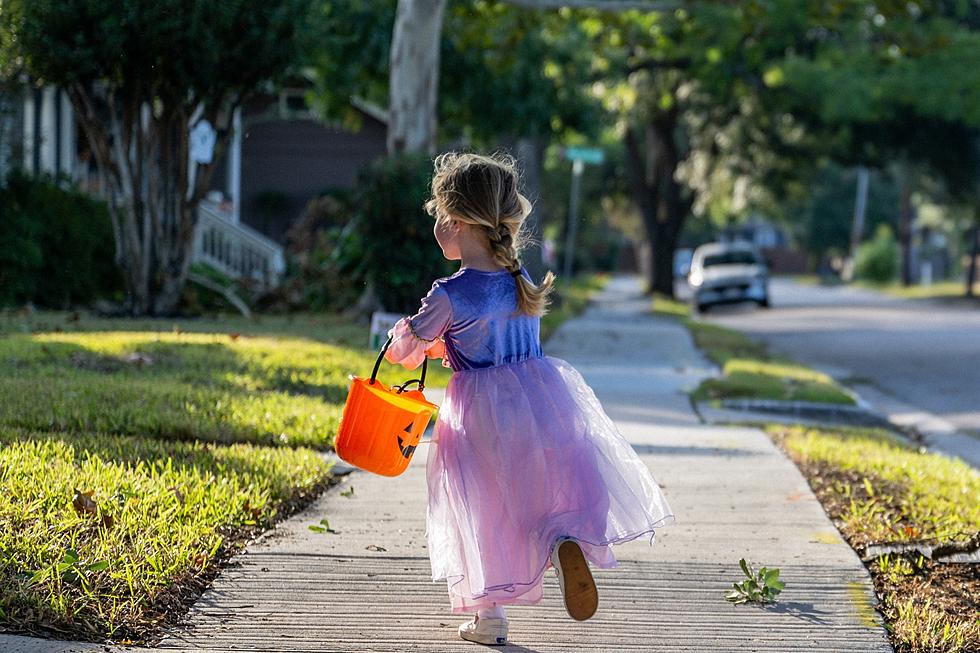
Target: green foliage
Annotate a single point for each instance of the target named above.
(171, 49)
(177, 59)
(324, 262)
(826, 215)
(760, 587)
(515, 72)
(398, 252)
(877, 260)
(505, 71)
(884, 490)
(96, 530)
(57, 249)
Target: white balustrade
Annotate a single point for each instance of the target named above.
(235, 249)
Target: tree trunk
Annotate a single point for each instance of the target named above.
(651, 172)
(530, 153)
(414, 77)
(151, 190)
(646, 194)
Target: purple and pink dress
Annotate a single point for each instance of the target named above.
(522, 452)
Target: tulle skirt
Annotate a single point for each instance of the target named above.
(522, 454)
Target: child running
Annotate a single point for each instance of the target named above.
(525, 470)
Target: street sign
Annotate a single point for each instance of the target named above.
(380, 324)
(585, 154)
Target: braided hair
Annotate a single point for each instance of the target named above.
(483, 191)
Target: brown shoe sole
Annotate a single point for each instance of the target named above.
(581, 595)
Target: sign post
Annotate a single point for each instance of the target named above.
(579, 156)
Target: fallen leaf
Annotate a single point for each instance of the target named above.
(375, 547)
(83, 503)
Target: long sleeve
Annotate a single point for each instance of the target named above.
(416, 336)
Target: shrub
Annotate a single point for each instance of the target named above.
(877, 260)
(57, 248)
(324, 259)
(378, 233)
(398, 252)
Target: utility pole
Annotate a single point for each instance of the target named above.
(857, 226)
(579, 156)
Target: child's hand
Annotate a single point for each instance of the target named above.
(436, 350)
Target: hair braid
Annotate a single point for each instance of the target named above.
(502, 247)
(483, 190)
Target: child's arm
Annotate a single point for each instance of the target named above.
(415, 337)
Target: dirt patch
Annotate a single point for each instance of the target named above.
(953, 589)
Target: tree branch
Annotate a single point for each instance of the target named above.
(603, 5)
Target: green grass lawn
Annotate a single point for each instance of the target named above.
(748, 370)
(878, 490)
(138, 454)
(101, 535)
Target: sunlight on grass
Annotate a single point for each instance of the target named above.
(149, 514)
(206, 386)
(940, 496)
(784, 370)
(748, 371)
(882, 490)
(927, 630)
(669, 306)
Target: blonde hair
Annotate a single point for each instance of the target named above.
(483, 191)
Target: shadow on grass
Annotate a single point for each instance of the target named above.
(161, 519)
(205, 390)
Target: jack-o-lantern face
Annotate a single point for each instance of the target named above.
(406, 449)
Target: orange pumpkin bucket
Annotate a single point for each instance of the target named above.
(381, 426)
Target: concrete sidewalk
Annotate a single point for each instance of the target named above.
(367, 587)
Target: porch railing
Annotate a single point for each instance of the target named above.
(236, 249)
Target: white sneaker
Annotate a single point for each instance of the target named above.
(575, 579)
(485, 631)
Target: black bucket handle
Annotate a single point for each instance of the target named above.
(400, 388)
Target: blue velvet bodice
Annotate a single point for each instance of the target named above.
(485, 329)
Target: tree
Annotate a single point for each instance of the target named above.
(140, 76)
(901, 85)
(414, 80)
(509, 77)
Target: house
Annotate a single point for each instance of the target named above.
(282, 156)
(279, 157)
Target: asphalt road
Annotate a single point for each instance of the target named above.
(923, 353)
